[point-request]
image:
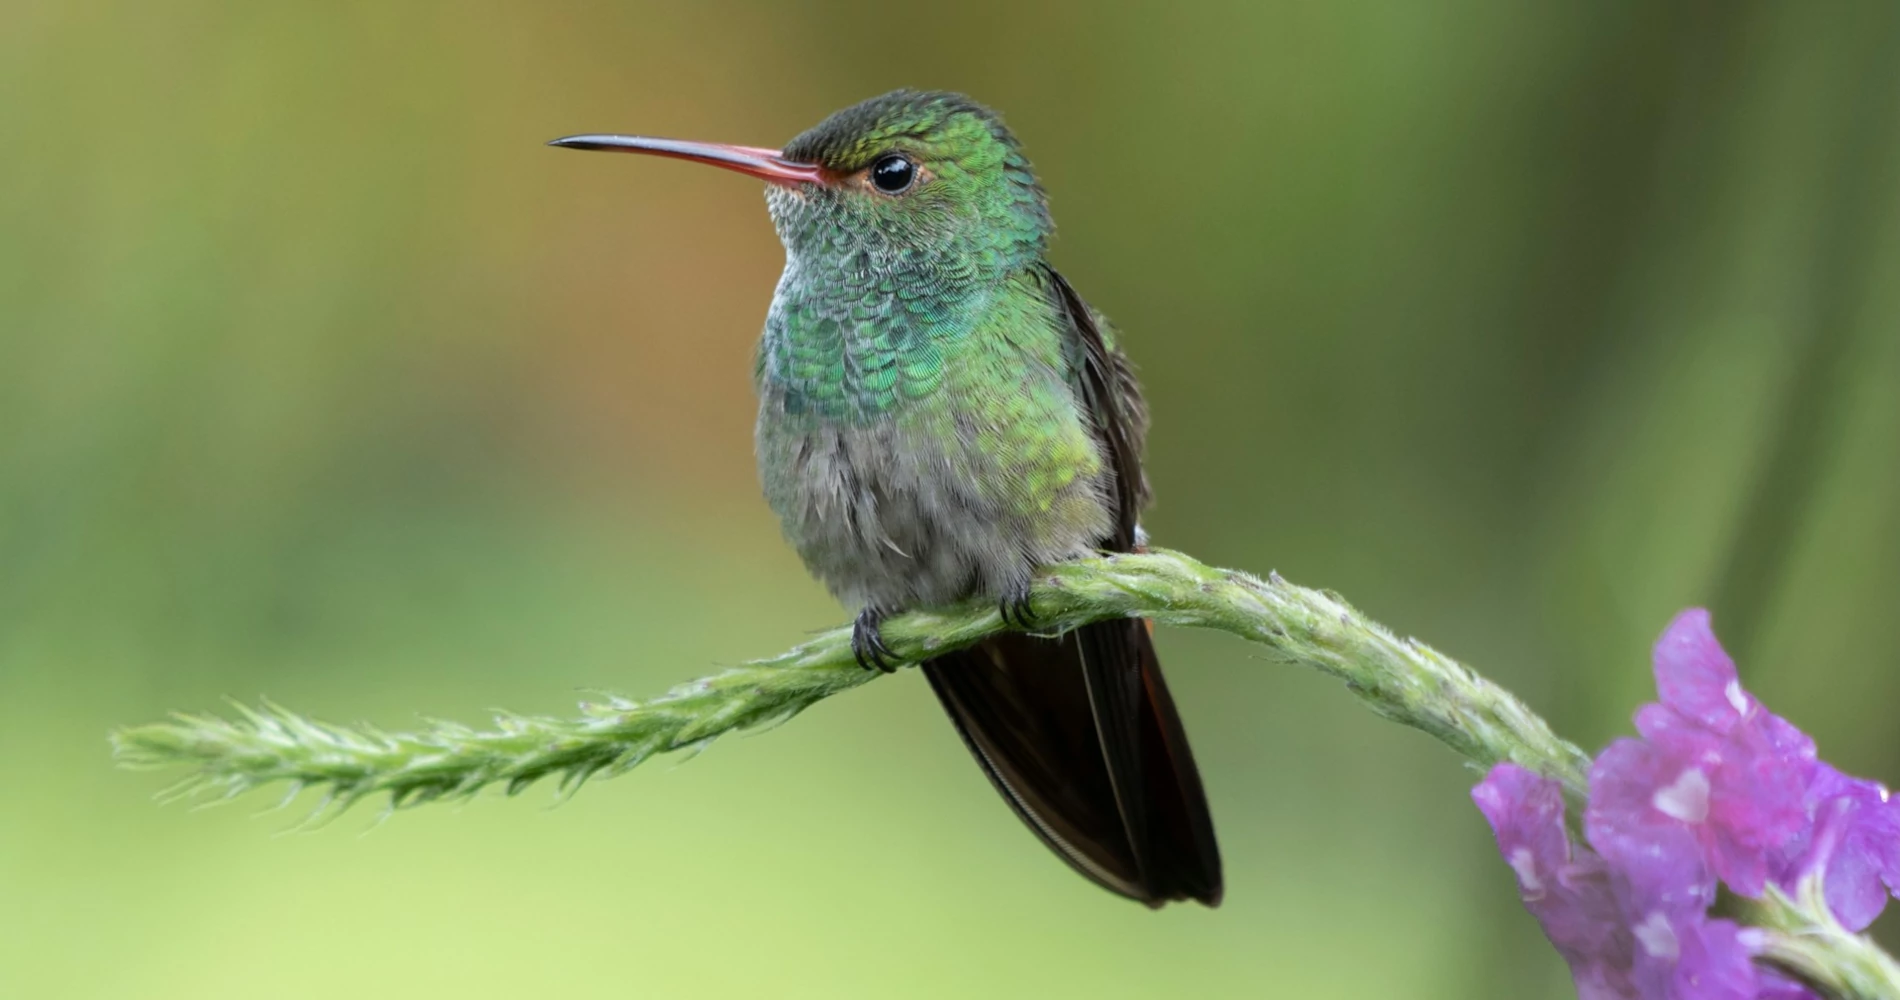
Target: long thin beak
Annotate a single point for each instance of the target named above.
(766, 164)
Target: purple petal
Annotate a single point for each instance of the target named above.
(1714, 964)
(1567, 891)
(1773, 985)
(1784, 740)
(1689, 957)
(1758, 804)
(1600, 981)
(1660, 722)
(1740, 792)
(1695, 676)
(1854, 890)
(1857, 838)
(1642, 804)
(1526, 812)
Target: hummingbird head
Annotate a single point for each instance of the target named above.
(913, 178)
(912, 181)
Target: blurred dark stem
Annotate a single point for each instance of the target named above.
(1816, 396)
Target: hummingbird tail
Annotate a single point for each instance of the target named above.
(1081, 737)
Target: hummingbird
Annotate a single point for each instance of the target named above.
(940, 414)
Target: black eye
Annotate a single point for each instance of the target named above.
(893, 174)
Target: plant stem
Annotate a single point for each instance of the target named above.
(1400, 679)
(1802, 937)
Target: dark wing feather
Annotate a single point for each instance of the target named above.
(1022, 707)
(1113, 398)
(1079, 732)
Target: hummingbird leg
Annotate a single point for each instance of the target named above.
(1015, 606)
(867, 642)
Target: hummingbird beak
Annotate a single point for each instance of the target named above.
(765, 164)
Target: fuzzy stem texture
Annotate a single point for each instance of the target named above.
(1400, 679)
(1800, 935)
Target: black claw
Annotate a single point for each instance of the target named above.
(1015, 607)
(867, 642)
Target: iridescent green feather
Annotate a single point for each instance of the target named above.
(924, 427)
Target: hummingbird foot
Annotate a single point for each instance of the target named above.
(867, 641)
(1015, 607)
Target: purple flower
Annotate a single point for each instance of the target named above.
(1622, 941)
(1775, 812)
(1694, 957)
(1716, 789)
(1713, 764)
(1567, 891)
(1646, 805)
(1695, 677)
(1854, 846)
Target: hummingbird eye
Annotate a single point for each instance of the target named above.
(893, 174)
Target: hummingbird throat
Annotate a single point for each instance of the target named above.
(853, 344)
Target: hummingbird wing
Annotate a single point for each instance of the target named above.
(1079, 732)
(1115, 408)
(1022, 705)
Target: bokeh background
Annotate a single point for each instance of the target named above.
(1523, 326)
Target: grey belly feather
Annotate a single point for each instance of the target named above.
(894, 523)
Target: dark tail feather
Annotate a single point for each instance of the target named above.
(1080, 736)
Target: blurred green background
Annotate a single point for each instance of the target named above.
(1523, 326)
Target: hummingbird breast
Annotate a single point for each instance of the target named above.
(925, 448)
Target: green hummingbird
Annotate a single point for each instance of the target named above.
(939, 414)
